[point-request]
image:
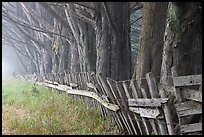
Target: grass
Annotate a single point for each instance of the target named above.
(36, 110)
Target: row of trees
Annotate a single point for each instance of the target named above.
(95, 36)
(75, 37)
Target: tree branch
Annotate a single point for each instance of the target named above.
(107, 12)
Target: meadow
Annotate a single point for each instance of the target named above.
(36, 110)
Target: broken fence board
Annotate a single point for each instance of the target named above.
(145, 112)
(187, 105)
(105, 88)
(192, 94)
(187, 112)
(136, 93)
(187, 80)
(146, 102)
(191, 128)
(93, 95)
(167, 112)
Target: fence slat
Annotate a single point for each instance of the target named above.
(167, 113)
(187, 80)
(146, 102)
(192, 94)
(125, 83)
(126, 111)
(114, 90)
(138, 94)
(108, 92)
(151, 121)
(98, 91)
(191, 127)
(155, 94)
(89, 81)
(110, 106)
(176, 90)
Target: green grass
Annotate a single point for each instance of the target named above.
(36, 110)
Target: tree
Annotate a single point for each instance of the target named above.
(112, 40)
(183, 40)
(151, 40)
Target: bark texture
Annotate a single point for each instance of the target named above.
(183, 41)
(113, 40)
(151, 40)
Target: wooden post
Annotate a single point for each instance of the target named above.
(167, 113)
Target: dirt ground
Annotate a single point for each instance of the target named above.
(20, 112)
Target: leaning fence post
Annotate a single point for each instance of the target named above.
(167, 113)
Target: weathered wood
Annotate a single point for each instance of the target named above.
(69, 78)
(114, 90)
(187, 112)
(192, 94)
(200, 88)
(105, 98)
(123, 98)
(79, 86)
(107, 90)
(176, 90)
(93, 80)
(125, 83)
(187, 80)
(93, 95)
(91, 85)
(124, 105)
(90, 81)
(151, 121)
(51, 82)
(136, 93)
(83, 82)
(187, 105)
(100, 90)
(191, 127)
(145, 112)
(73, 85)
(65, 77)
(154, 92)
(146, 102)
(167, 112)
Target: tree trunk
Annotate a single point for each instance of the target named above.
(120, 42)
(151, 40)
(113, 41)
(187, 49)
(102, 42)
(183, 41)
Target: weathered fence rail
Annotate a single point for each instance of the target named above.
(130, 106)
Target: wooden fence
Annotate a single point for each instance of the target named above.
(135, 110)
